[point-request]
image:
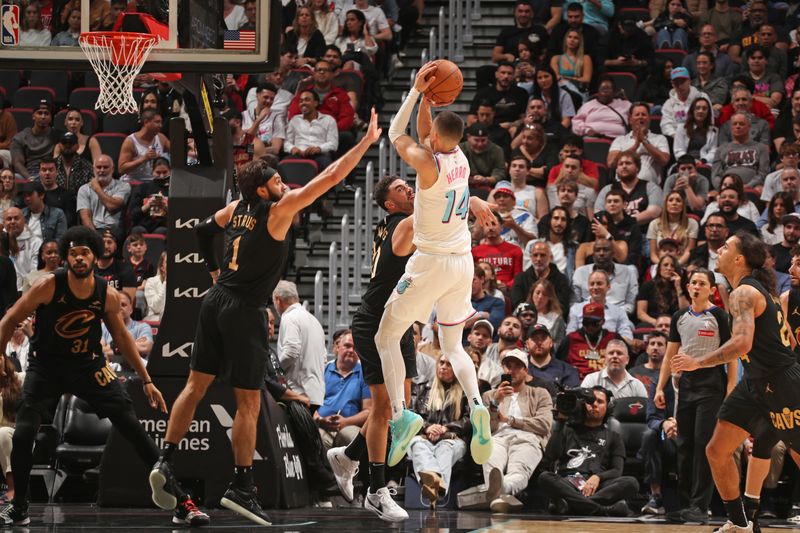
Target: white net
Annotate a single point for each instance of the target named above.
(117, 58)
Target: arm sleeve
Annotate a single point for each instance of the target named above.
(398, 126)
(617, 458)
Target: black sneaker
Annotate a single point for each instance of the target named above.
(187, 513)
(13, 514)
(162, 485)
(692, 515)
(245, 502)
(619, 509)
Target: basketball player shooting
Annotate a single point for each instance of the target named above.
(761, 338)
(439, 273)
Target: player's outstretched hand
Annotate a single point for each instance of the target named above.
(373, 131)
(483, 211)
(682, 362)
(154, 398)
(425, 76)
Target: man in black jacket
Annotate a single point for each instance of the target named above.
(542, 267)
(589, 457)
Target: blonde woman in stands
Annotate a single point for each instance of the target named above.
(10, 395)
(327, 22)
(573, 67)
(88, 147)
(674, 223)
(441, 443)
(8, 190)
(155, 291)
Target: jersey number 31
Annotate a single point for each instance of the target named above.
(461, 210)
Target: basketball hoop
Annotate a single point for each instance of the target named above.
(117, 58)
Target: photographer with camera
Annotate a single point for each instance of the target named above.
(149, 205)
(521, 420)
(585, 457)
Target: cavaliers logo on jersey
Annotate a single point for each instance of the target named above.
(74, 324)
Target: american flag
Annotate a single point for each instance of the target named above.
(239, 40)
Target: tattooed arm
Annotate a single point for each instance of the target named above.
(745, 304)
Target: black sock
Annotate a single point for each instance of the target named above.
(355, 450)
(167, 451)
(377, 476)
(243, 476)
(735, 510)
(751, 507)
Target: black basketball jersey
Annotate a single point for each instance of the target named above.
(794, 311)
(772, 349)
(387, 268)
(253, 261)
(69, 326)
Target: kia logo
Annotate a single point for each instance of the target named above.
(191, 292)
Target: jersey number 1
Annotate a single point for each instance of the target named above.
(233, 265)
(462, 210)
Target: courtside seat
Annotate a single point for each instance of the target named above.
(297, 172)
(84, 437)
(110, 144)
(55, 80)
(84, 97)
(44, 450)
(629, 416)
(31, 96)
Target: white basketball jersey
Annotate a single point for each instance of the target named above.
(441, 212)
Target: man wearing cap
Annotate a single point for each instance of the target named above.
(26, 243)
(651, 147)
(101, 201)
(72, 170)
(34, 142)
(519, 224)
(542, 267)
(527, 315)
(505, 257)
(118, 274)
(539, 345)
(521, 420)
(791, 235)
(45, 222)
(487, 164)
(681, 96)
(585, 348)
(614, 376)
(480, 339)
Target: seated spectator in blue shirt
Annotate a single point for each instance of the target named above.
(487, 307)
(347, 400)
(542, 364)
(141, 333)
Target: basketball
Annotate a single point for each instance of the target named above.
(448, 84)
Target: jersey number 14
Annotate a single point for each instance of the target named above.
(461, 210)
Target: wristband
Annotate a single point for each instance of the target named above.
(147, 383)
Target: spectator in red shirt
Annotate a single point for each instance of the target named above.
(759, 109)
(506, 258)
(334, 101)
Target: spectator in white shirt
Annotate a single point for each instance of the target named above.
(301, 344)
(652, 148)
(27, 244)
(614, 377)
(312, 135)
(263, 121)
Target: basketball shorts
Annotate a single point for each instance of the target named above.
(231, 339)
(365, 327)
(443, 282)
(767, 406)
(50, 376)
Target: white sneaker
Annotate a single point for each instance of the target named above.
(382, 504)
(344, 470)
(730, 527)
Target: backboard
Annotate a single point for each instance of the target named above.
(195, 34)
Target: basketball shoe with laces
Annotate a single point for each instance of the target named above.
(14, 514)
(382, 504)
(187, 513)
(162, 485)
(245, 502)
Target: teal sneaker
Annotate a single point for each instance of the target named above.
(481, 445)
(403, 430)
